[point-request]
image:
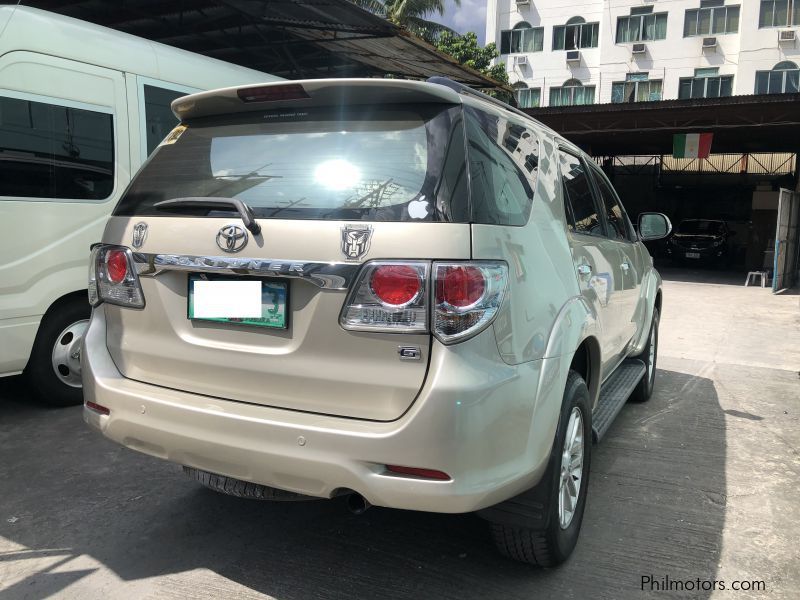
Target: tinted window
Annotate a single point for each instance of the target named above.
(51, 151)
(159, 118)
(700, 227)
(579, 203)
(383, 164)
(618, 227)
(503, 164)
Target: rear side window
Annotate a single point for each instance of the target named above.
(618, 224)
(579, 201)
(159, 118)
(55, 152)
(503, 164)
(403, 163)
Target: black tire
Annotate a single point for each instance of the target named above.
(40, 371)
(550, 545)
(644, 389)
(242, 489)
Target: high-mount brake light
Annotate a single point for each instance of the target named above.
(273, 93)
(113, 278)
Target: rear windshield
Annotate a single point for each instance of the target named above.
(393, 163)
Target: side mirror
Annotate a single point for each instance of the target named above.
(653, 226)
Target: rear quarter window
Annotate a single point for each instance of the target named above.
(503, 162)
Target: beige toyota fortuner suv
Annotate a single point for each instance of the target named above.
(404, 292)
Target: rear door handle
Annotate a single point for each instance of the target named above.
(584, 270)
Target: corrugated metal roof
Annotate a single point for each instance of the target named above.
(290, 38)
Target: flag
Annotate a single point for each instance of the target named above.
(691, 145)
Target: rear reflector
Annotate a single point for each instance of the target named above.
(415, 472)
(97, 408)
(273, 93)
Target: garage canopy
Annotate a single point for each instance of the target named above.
(740, 124)
(295, 39)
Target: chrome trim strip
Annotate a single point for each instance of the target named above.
(330, 276)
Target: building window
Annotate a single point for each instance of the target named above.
(779, 13)
(641, 27)
(527, 97)
(523, 38)
(706, 83)
(572, 93)
(784, 78)
(575, 34)
(51, 151)
(712, 18)
(637, 87)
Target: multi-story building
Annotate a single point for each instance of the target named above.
(568, 52)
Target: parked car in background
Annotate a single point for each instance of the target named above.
(700, 242)
(81, 108)
(417, 297)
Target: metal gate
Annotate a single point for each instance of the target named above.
(786, 242)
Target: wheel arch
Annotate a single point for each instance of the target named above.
(62, 300)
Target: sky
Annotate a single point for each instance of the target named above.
(470, 17)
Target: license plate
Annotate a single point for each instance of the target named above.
(692, 255)
(238, 301)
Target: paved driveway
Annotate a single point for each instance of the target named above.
(699, 483)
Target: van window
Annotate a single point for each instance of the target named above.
(159, 118)
(52, 152)
(579, 201)
(503, 164)
(383, 163)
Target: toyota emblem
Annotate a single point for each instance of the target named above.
(232, 238)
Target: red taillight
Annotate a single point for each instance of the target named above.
(460, 286)
(273, 93)
(98, 408)
(116, 265)
(395, 284)
(416, 472)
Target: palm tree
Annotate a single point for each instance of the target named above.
(410, 14)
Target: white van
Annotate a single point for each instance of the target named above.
(81, 108)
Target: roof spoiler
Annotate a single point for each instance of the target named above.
(311, 92)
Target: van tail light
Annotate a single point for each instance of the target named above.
(389, 296)
(113, 278)
(453, 300)
(467, 296)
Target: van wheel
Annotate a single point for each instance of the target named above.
(242, 489)
(644, 389)
(54, 368)
(566, 481)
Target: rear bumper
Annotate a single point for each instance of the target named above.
(475, 419)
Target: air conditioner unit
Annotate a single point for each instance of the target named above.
(573, 56)
(787, 36)
(639, 49)
(709, 42)
(520, 60)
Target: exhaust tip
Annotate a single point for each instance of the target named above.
(357, 504)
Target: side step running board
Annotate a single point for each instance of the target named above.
(614, 394)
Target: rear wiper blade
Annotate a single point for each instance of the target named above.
(245, 212)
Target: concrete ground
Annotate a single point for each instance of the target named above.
(699, 483)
